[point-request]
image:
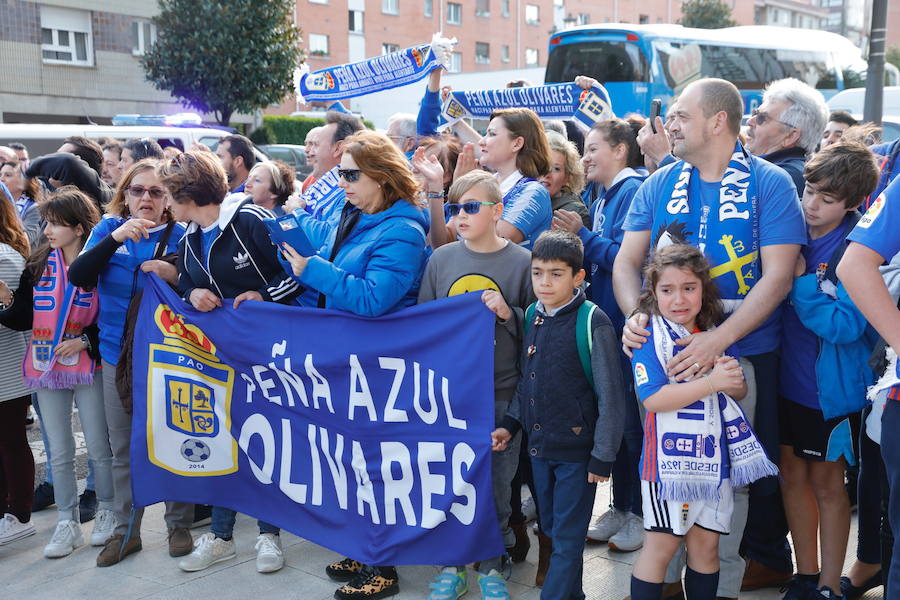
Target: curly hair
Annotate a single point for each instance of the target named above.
(574, 169)
(533, 160)
(682, 256)
(377, 156)
(118, 206)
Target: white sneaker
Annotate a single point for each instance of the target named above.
(269, 557)
(529, 509)
(11, 529)
(630, 537)
(65, 539)
(104, 525)
(607, 525)
(208, 550)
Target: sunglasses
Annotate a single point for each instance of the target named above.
(762, 118)
(138, 191)
(349, 175)
(470, 208)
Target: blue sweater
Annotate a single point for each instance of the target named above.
(378, 267)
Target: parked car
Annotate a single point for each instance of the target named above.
(292, 154)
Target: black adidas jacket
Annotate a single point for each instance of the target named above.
(242, 257)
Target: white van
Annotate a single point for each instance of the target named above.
(46, 139)
(853, 99)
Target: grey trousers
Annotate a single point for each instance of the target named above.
(178, 514)
(731, 565)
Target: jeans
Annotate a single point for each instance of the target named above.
(565, 500)
(178, 514)
(626, 481)
(56, 422)
(48, 471)
(222, 524)
(16, 460)
(890, 452)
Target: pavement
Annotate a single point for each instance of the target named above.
(151, 574)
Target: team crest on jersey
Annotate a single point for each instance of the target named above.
(189, 433)
(867, 219)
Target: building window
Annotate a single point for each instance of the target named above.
(429, 8)
(356, 21)
(504, 7)
(643, 19)
(505, 53)
(388, 48)
(482, 53)
(318, 44)
(318, 1)
(532, 14)
(143, 36)
(483, 8)
(584, 19)
(66, 36)
(455, 62)
(531, 57)
(454, 13)
(390, 7)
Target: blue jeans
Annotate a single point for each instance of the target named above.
(222, 524)
(48, 471)
(626, 481)
(890, 452)
(565, 500)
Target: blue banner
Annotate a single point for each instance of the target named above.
(370, 437)
(391, 70)
(552, 101)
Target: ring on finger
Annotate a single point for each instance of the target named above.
(696, 366)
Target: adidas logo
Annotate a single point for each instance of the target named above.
(241, 260)
(122, 250)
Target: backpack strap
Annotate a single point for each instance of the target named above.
(584, 339)
(529, 316)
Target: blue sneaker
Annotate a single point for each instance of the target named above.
(449, 584)
(799, 588)
(493, 586)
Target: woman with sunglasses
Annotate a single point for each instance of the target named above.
(370, 264)
(515, 148)
(225, 254)
(126, 245)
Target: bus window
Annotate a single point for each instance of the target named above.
(604, 61)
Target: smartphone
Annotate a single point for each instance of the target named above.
(655, 107)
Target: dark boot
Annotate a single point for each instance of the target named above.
(518, 552)
(545, 549)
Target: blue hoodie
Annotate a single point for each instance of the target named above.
(379, 266)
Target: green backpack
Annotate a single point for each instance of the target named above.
(583, 337)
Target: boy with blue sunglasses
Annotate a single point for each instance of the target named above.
(482, 261)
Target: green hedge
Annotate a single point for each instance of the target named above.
(289, 130)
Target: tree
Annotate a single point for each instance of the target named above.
(706, 14)
(222, 56)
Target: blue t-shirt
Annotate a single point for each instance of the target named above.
(879, 228)
(527, 207)
(799, 345)
(780, 222)
(122, 279)
(207, 236)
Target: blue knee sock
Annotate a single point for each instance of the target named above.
(644, 590)
(700, 586)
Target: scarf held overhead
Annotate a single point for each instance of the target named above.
(726, 230)
(553, 101)
(385, 72)
(61, 312)
(690, 451)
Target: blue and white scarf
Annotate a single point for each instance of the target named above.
(731, 225)
(322, 195)
(553, 101)
(691, 454)
(385, 72)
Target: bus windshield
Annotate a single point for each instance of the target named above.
(602, 60)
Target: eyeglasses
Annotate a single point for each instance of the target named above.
(138, 191)
(762, 117)
(349, 175)
(470, 208)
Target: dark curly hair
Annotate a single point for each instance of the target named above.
(682, 256)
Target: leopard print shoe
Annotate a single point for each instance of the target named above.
(344, 570)
(370, 584)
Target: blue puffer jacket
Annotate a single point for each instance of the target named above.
(379, 266)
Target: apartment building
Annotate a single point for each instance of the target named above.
(70, 61)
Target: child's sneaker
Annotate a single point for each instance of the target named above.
(11, 529)
(630, 537)
(450, 584)
(269, 557)
(493, 586)
(104, 527)
(607, 525)
(370, 584)
(208, 550)
(825, 593)
(344, 569)
(800, 587)
(65, 539)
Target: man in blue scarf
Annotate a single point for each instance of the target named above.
(744, 213)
